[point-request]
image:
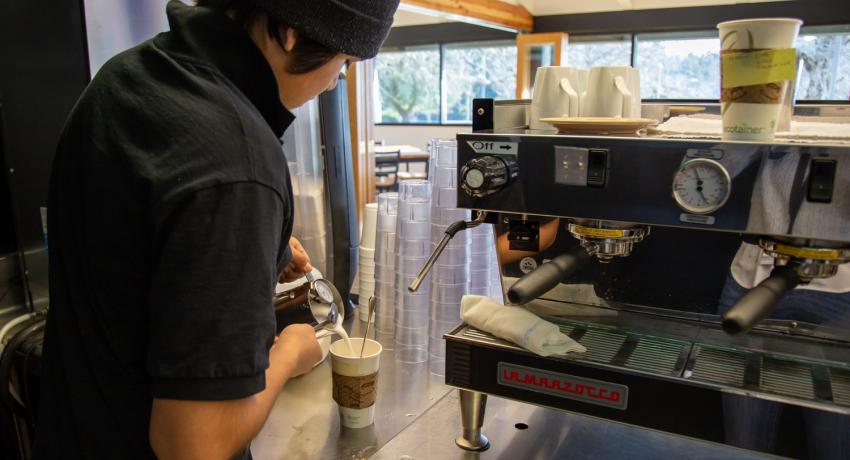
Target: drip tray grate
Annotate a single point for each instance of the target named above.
(840, 380)
(657, 356)
(601, 346)
(787, 378)
(719, 366)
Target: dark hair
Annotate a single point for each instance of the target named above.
(307, 55)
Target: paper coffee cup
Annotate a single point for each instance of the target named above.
(355, 381)
(758, 63)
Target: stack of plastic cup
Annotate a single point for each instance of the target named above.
(367, 258)
(450, 275)
(385, 276)
(482, 257)
(413, 246)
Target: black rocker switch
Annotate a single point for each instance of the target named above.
(821, 181)
(597, 163)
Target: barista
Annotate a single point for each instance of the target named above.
(170, 222)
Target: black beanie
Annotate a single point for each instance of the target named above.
(354, 27)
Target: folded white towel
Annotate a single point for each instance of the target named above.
(704, 126)
(517, 325)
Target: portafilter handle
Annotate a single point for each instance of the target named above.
(760, 301)
(545, 277)
(451, 231)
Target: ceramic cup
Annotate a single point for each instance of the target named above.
(758, 64)
(557, 93)
(355, 381)
(612, 92)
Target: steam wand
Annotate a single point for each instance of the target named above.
(451, 231)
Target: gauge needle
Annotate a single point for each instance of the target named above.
(699, 186)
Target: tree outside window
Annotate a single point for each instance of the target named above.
(679, 66)
(478, 70)
(586, 52)
(824, 57)
(408, 86)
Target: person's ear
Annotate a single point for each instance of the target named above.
(290, 38)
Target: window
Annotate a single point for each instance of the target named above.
(408, 83)
(589, 51)
(679, 66)
(477, 70)
(436, 84)
(824, 57)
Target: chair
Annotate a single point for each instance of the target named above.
(386, 171)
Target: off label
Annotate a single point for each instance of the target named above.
(527, 265)
(498, 148)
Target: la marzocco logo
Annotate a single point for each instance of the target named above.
(564, 386)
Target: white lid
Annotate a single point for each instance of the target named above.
(759, 20)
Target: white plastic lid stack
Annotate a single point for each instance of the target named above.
(413, 246)
(385, 254)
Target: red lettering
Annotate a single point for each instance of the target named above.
(566, 386)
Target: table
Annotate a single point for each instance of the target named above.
(406, 154)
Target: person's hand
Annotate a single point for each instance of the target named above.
(298, 343)
(299, 265)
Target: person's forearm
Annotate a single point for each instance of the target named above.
(216, 429)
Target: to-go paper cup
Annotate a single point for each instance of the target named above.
(758, 63)
(355, 381)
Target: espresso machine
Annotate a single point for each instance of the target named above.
(708, 280)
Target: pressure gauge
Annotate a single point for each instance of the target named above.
(701, 186)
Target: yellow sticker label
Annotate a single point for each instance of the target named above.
(597, 232)
(804, 253)
(747, 68)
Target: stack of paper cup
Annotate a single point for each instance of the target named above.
(450, 274)
(385, 255)
(367, 258)
(413, 247)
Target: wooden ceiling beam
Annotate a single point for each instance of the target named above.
(488, 13)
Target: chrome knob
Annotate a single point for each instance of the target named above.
(487, 175)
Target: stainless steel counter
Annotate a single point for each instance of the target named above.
(522, 431)
(417, 417)
(304, 423)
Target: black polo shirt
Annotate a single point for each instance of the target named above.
(170, 213)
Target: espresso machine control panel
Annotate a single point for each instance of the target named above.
(708, 185)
